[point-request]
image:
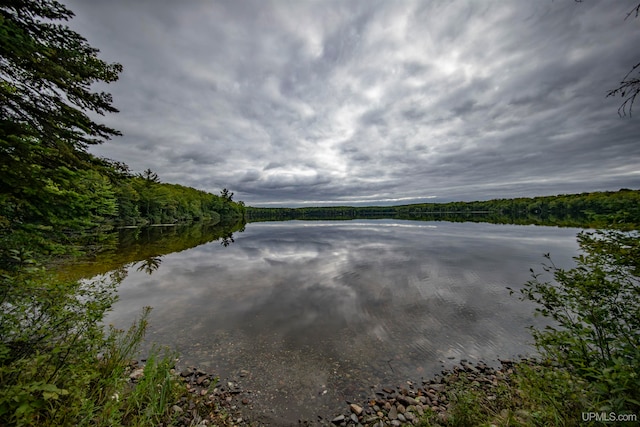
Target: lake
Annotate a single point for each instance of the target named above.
(309, 314)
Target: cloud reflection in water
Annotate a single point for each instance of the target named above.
(357, 303)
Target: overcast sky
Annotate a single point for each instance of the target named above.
(290, 103)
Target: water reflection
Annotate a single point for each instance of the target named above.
(149, 265)
(318, 312)
(144, 247)
(227, 239)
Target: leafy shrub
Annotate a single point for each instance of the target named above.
(60, 366)
(596, 308)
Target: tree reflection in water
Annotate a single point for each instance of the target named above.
(149, 265)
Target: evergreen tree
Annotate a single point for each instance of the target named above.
(46, 74)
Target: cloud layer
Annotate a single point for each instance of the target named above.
(367, 102)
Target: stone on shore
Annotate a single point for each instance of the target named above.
(393, 413)
(338, 419)
(356, 409)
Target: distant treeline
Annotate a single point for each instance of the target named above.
(597, 209)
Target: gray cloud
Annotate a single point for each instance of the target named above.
(370, 101)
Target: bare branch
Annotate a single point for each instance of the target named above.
(629, 87)
(629, 90)
(634, 11)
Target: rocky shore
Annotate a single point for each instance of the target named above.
(211, 401)
(411, 403)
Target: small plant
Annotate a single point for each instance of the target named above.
(149, 403)
(549, 395)
(467, 409)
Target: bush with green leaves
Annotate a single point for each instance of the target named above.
(596, 311)
(60, 366)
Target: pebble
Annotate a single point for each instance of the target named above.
(408, 400)
(338, 419)
(356, 409)
(137, 374)
(393, 413)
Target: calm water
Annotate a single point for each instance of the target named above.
(317, 313)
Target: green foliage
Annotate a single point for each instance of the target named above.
(52, 191)
(47, 71)
(58, 365)
(78, 206)
(154, 394)
(49, 340)
(150, 177)
(46, 74)
(596, 309)
(128, 202)
(591, 351)
(526, 394)
(160, 203)
(467, 409)
(550, 395)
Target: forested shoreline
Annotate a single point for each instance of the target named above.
(73, 207)
(591, 210)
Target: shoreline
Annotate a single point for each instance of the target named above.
(213, 401)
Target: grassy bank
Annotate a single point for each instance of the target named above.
(58, 365)
(523, 393)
